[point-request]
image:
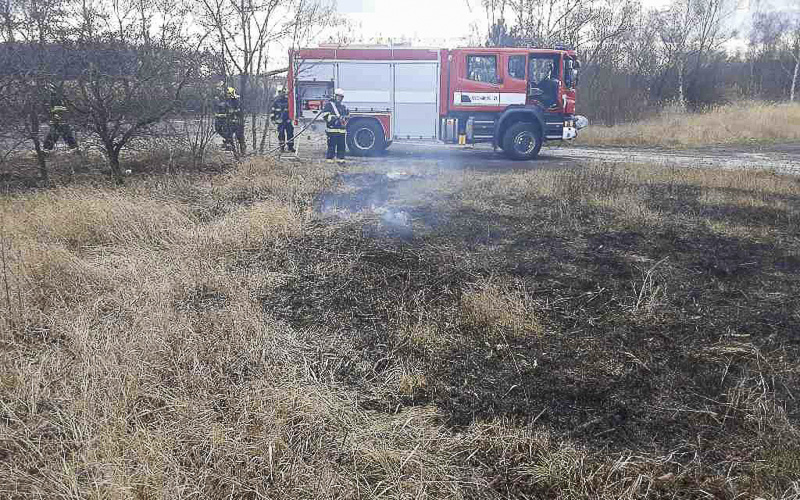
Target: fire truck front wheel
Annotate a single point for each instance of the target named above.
(522, 141)
(365, 138)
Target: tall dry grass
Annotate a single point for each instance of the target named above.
(122, 327)
(141, 355)
(740, 123)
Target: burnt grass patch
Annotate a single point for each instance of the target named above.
(367, 190)
(577, 333)
(653, 339)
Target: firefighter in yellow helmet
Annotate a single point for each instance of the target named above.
(335, 115)
(229, 118)
(58, 126)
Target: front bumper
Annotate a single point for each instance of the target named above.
(572, 125)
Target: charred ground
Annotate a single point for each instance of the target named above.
(410, 329)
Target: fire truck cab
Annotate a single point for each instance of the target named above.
(513, 98)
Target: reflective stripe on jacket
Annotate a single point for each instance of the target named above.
(280, 110)
(227, 108)
(56, 113)
(334, 122)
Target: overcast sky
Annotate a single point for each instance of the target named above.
(448, 22)
(431, 22)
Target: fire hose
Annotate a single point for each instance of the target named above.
(296, 135)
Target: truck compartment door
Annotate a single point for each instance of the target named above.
(367, 86)
(416, 92)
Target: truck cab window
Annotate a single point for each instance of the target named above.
(482, 68)
(516, 67)
(569, 74)
(542, 67)
(543, 74)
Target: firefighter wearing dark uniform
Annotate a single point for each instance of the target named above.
(229, 119)
(58, 128)
(335, 113)
(549, 87)
(280, 117)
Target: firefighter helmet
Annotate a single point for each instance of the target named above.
(338, 93)
(231, 93)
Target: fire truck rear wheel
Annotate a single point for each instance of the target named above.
(522, 141)
(365, 138)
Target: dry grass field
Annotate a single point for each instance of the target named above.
(596, 332)
(742, 123)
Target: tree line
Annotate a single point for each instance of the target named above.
(123, 66)
(635, 60)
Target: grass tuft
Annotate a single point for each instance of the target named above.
(499, 310)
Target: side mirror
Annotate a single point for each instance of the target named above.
(574, 77)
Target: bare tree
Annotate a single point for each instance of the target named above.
(786, 40)
(674, 30)
(498, 32)
(13, 127)
(543, 23)
(311, 21)
(30, 27)
(589, 25)
(136, 59)
(243, 33)
(795, 52)
(500, 36)
(8, 17)
(692, 29)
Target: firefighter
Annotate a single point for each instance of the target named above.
(58, 128)
(335, 115)
(549, 86)
(229, 118)
(280, 117)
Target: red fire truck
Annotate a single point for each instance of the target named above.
(514, 98)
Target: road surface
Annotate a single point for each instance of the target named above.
(781, 159)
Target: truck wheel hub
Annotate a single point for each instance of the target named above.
(524, 142)
(364, 138)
